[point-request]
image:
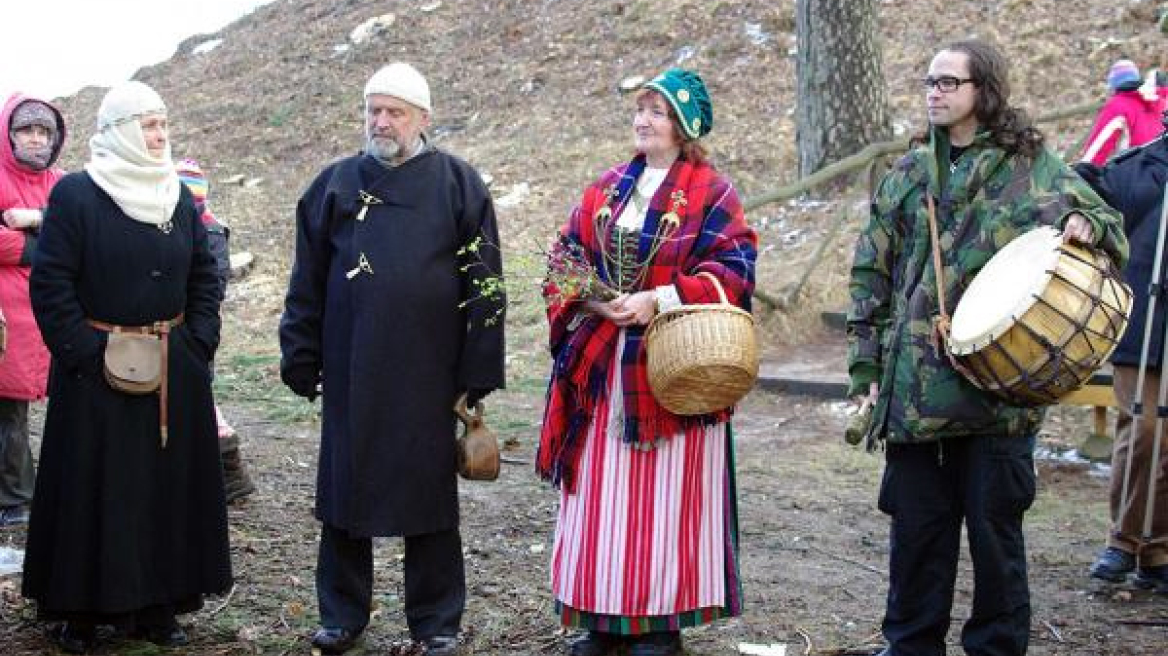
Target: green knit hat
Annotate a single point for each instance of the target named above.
(686, 92)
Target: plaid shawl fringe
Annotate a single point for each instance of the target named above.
(713, 236)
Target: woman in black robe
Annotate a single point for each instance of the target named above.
(128, 523)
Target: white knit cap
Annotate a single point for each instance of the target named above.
(128, 100)
(400, 80)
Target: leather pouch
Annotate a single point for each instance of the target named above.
(133, 363)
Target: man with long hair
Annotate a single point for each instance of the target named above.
(955, 454)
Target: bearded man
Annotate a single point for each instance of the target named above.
(376, 321)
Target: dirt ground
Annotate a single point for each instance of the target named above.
(277, 100)
(814, 548)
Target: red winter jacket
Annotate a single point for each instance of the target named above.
(25, 367)
(1127, 119)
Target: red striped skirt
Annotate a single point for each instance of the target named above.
(646, 532)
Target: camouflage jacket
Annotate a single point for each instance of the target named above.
(986, 199)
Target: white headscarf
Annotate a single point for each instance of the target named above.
(145, 187)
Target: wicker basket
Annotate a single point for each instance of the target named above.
(702, 358)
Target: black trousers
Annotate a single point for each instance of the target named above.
(435, 581)
(929, 490)
(17, 475)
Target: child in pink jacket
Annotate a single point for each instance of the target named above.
(237, 483)
(1130, 117)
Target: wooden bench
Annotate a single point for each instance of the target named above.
(1098, 394)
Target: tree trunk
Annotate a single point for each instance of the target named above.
(842, 103)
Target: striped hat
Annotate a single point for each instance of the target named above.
(1123, 76)
(191, 174)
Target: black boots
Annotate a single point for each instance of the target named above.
(169, 634)
(598, 643)
(595, 643)
(74, 637)
(335, 640)
(662, 643)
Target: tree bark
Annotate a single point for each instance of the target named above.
(842, 102)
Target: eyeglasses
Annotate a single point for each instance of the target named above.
(945, 83)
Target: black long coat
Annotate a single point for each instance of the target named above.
(1133, 183)
(118, 522)
(392, 342)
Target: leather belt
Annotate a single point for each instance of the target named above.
(162, 330)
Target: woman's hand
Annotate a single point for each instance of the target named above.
(627, 309)
(611, 310)
(642, 305)
(19, 218)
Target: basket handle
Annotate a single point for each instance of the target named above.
(717, 285)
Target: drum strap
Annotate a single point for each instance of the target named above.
(942, 323)
(943, 320)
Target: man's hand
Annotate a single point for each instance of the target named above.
(860, 423)
(1078, 229)
(19, 218)
(303, 380)
(870, 398)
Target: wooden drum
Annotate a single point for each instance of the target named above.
(1039, 319)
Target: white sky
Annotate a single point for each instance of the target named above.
(53, 48)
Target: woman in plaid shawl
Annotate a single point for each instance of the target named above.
(646, 538)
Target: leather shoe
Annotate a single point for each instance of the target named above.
(594, 643)
(335, 640)
(664, 643)
(167, 635)
(1113, 565)
(1154, 576)
(14, 516)
(440, 646)
(73, 638)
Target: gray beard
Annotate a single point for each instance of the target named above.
(384, 150)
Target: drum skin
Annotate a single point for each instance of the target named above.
(1039, 319)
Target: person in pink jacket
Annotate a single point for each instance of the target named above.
(34, 134)
(1130, 117)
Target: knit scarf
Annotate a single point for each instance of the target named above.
(712, 236)
(145, 187)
